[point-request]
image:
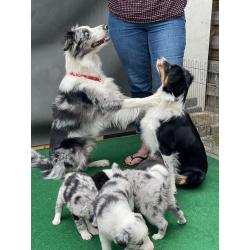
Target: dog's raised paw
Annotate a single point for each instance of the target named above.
(86, 235)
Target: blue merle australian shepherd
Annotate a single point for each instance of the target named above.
(87, 103)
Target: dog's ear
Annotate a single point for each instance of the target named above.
(189, 77)
(108, 172)
(69, 40)
(117, 172)
(115, 167)
(122, 239)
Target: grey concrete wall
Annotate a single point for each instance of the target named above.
(50, 19)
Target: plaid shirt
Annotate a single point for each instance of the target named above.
(146, 11)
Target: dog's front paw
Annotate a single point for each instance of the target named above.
(94, 231)
(157, 236)
(182, 221)
(102, 163)
(86, 235)
(56, 221)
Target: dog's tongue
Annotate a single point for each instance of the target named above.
(105, 39)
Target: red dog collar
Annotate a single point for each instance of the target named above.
(94, 78)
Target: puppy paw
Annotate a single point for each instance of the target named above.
(86, 235)
(182, 221)
(102, 163)
(94, 231)
(56, 221)
(157, 236)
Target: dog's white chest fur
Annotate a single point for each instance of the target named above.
(149, 125)
(152, 121)
(159, 107)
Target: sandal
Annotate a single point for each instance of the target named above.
(143, 158)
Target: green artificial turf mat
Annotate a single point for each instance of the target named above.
(199, 205)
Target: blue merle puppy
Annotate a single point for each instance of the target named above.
(115, 218)
(79, 191)
(154, 193)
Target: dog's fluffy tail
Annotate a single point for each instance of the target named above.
(38, 161)
(190, 178)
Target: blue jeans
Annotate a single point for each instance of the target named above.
(139, 45)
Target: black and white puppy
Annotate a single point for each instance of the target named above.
(153, 195)
(78, 192)
(167, 128)
(115, 218)
(87, 103)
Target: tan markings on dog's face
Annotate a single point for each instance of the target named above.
(181, 180)
(163, 75)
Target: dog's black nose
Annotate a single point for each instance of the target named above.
(105, 27)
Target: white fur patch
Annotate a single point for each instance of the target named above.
(85, 235)
(61, 123)
(57, 219)
(151, 121)
(99, 163)
(159, 171)
(159, 107)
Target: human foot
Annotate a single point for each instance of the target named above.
(138, 157)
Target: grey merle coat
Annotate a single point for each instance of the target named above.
(78, 191)
(87, 103)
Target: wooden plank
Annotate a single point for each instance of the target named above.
(213, 66)
(212, 103)
(214, 43)
(212, 109)
(215, 18)
(98, 138)
(120, 134)
(46, 146)
(212, 90)
(215, 5)
(214, 30)
(40, 147)
(213, 54)
(213, 78)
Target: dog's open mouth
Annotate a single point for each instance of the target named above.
(100, 42)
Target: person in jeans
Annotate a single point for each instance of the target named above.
(141, 32)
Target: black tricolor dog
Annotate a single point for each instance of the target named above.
(167, 128)
(178, 134)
